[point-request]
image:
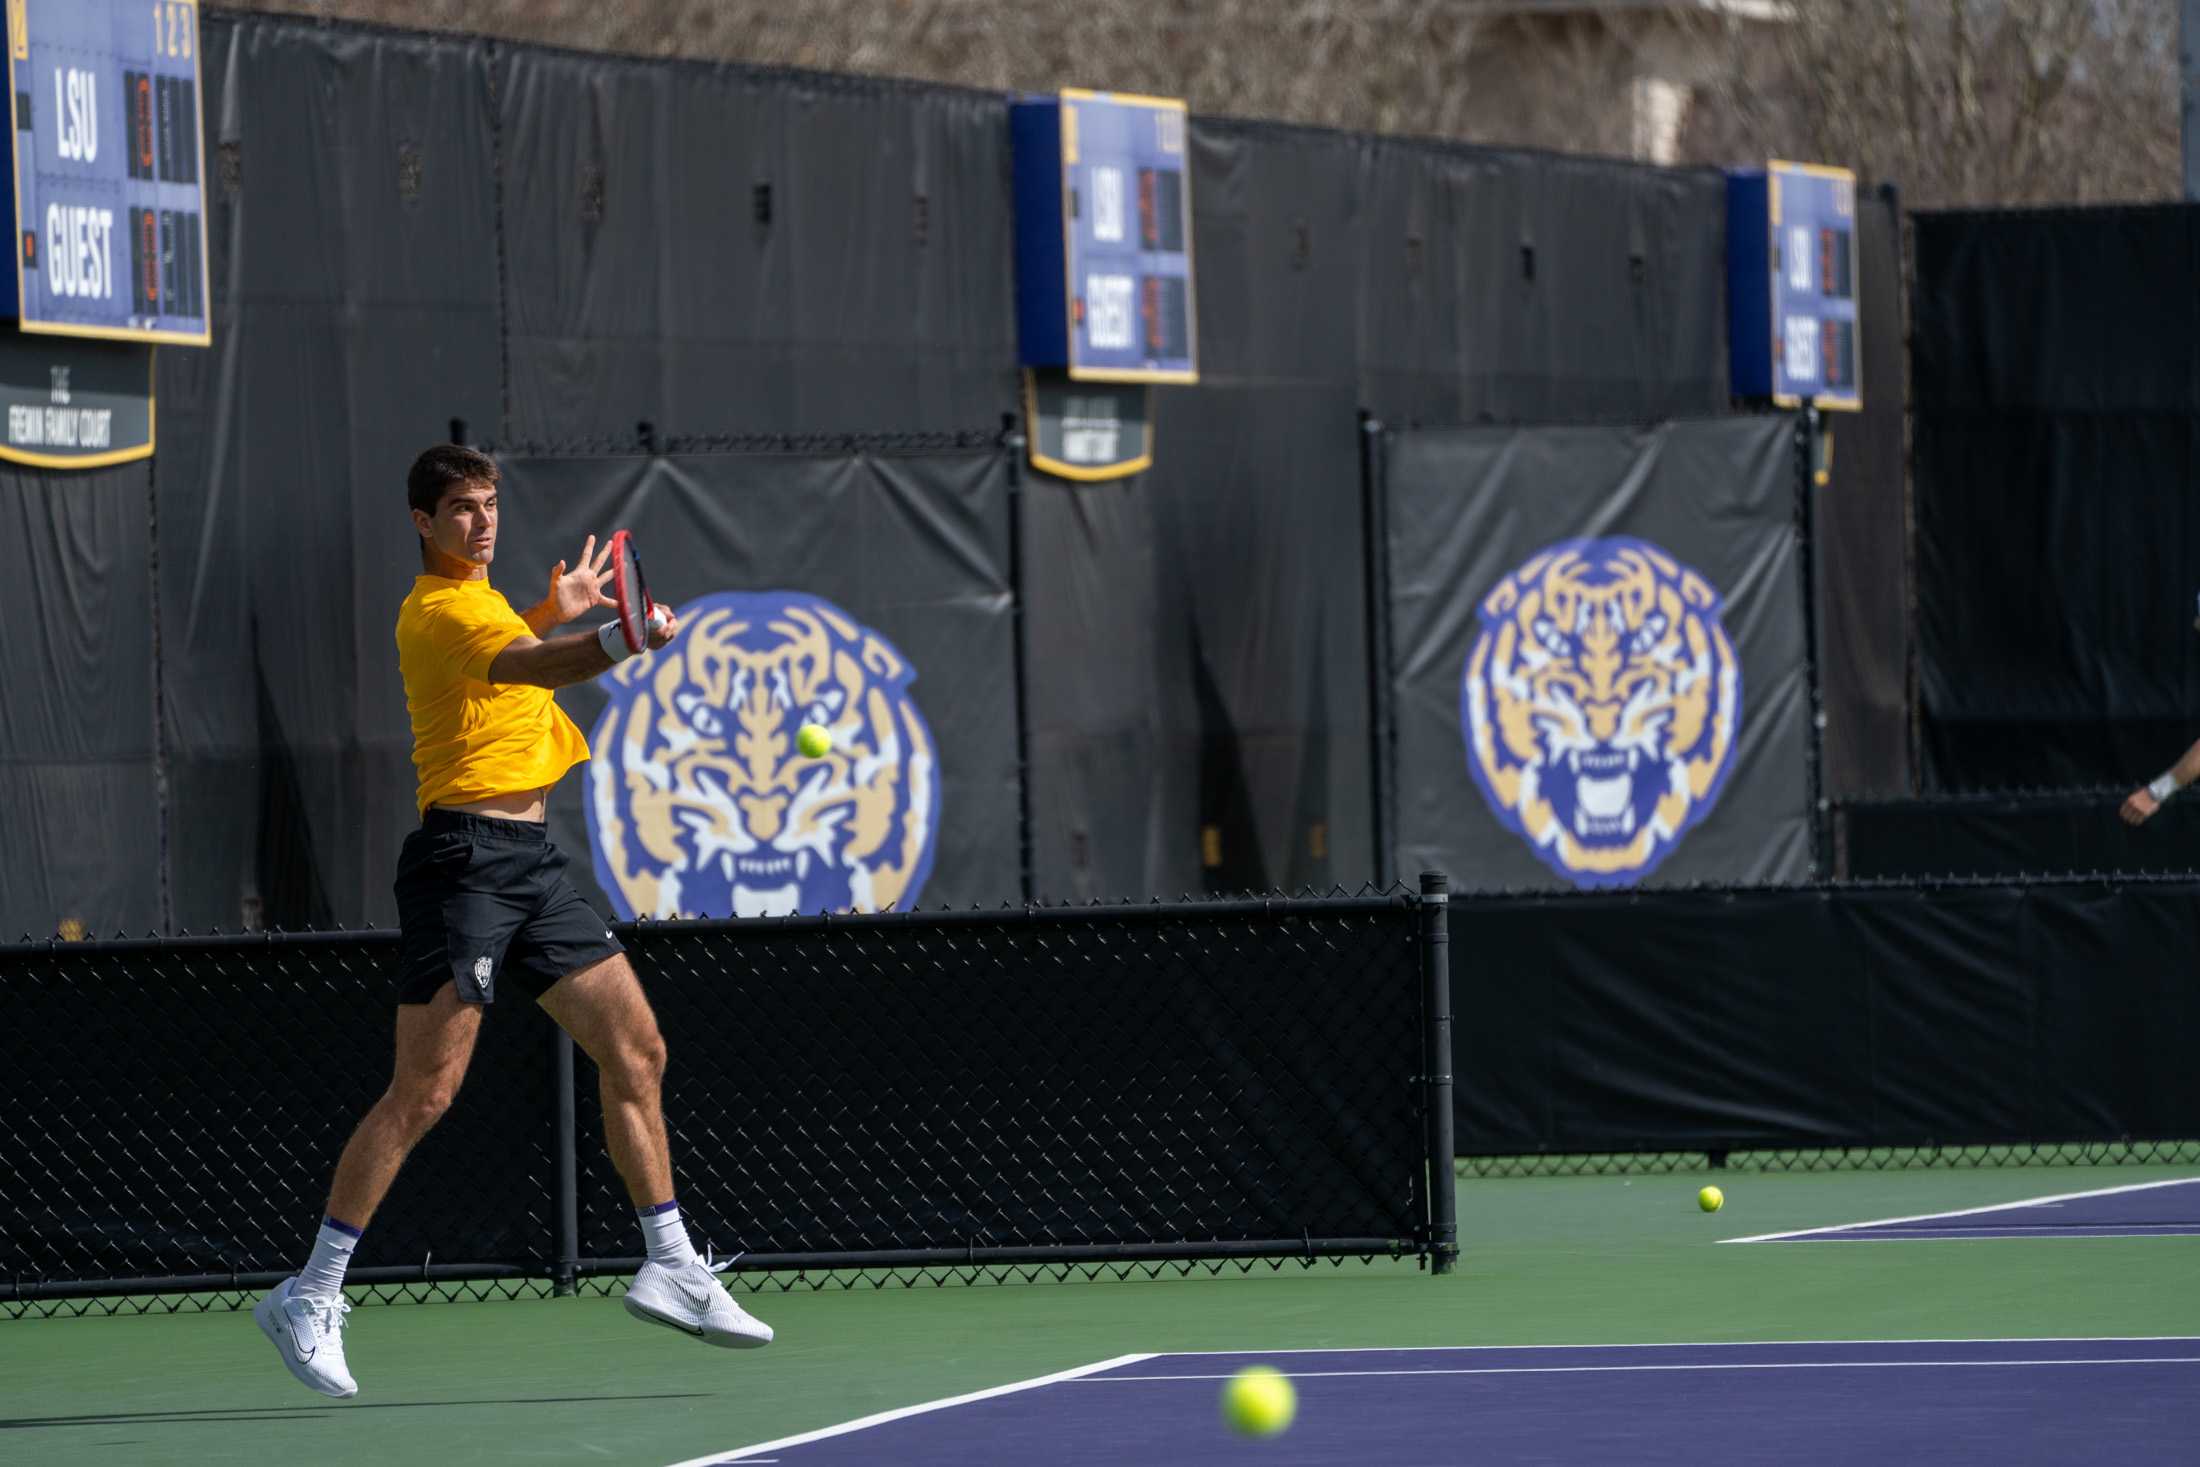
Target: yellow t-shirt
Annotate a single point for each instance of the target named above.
(473, 738)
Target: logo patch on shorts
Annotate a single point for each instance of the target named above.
(482, 969)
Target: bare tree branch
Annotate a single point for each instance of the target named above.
(1959, 101)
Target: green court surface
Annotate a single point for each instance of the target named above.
(1595, 1259)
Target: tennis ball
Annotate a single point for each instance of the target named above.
(1711, 1199)
(813, 741)
(1259, 1401)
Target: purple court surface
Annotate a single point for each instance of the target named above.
(2015, 1403)
(2144, 1210)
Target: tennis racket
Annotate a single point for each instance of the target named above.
(630, 593)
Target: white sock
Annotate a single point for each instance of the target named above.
(323, 1275)
(666, 1235)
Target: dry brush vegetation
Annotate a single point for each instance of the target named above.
(1957, 101)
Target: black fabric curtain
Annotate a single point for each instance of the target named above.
(1597, 668)
(2057, 401)
(352, 237)
(866, 593)
(718, 250)
(2011, 836)
(1861, 541)
(1114, 746)
(417, 236)
(77, 763)
(1200, 704)
(1528, 287)
(2009, 1014)
(1261, 511)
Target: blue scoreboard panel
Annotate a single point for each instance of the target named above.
(110, 220)
(1104, 237)
(1791, 285)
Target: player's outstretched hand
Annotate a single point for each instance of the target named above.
(2138, 807)
(664, 625)
(581, 589)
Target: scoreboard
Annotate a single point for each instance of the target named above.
(1104, 286)
(110, 220)
(1791, 285)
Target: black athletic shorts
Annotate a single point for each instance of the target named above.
(479, 899)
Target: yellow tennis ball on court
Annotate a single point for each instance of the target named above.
(812, 740)
(1259, 1401)
(1711, 1199)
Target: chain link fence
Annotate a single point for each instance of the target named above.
(173, 1109)
(854, 1101)
(1837, 1159)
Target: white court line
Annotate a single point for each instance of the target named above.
(1689, 1345)
(1079, 1374)
(2021, 1230)
(1701, 1365)
(1966, 1211)
(744, 1454)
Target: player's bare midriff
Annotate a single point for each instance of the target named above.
(518, 805)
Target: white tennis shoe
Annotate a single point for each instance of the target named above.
(691, 1300)
(308, 1333)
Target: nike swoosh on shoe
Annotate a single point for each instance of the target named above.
(695, 1330)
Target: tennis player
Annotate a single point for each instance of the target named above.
(2142, 803)
(484, 904)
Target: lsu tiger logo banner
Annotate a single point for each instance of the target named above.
(698, 803)
(1601, 704)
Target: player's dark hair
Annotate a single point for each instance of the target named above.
(442, 469)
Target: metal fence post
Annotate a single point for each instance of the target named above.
(1807, 428)
(1375, 572)
(567, 1267)
(1013, 445)
(1443, 1202)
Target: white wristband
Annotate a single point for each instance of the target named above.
(2164, 787)
(613, 641)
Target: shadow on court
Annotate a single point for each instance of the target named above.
(297, 1413)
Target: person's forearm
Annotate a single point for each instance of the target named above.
(555, 662)
(2178, 775)
(542, 617)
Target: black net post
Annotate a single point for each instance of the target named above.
(1443, 1205)
(567, 1267)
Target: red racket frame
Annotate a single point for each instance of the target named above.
(634, 626)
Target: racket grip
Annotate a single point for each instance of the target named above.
(613, 641)
(659, 616)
